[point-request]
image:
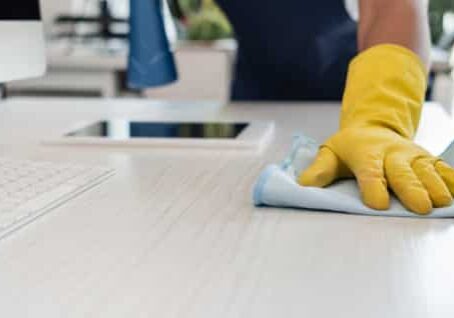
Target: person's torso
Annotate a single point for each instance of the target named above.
(291, 49)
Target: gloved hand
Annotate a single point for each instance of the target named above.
(380, 114)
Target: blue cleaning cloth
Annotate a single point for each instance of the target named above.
(277, 187)
(151, 63)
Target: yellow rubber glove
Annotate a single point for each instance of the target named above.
(380, 114)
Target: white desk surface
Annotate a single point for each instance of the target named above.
(174, 233)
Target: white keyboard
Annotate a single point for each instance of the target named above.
(28, 189)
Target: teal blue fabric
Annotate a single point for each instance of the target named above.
(277, 187)
(151, 63)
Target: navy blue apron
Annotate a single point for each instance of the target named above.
(291, 49)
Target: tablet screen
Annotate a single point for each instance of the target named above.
(122, 129)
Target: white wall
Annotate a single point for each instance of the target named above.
(50, 8)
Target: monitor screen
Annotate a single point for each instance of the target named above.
(20, 10)
(23, 52)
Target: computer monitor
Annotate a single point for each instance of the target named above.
(22, 50)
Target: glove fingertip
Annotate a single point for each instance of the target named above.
(375, 194)
(381, 204)
(315, 178)
(447, 174)
(418, 201)
(424, 208)
(323, 171)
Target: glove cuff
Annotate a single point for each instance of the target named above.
(386, 86)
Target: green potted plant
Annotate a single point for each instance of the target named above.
(205, 21)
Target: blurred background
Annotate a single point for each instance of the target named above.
(87, 50)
